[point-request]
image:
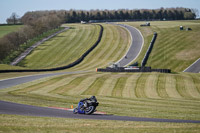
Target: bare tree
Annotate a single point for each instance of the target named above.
(196, 12)
(13, 19)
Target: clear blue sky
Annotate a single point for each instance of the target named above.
(7, 7)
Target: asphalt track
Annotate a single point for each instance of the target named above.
(28, 110)
(137, 42)
(194, 68)
(21, 109)
(20, 80)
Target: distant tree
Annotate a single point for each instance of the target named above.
(189, 15)
(74, 16)
(104, 15)
(13, 19)
(196, 12)
(160, 14)
(165, 14)
(121, 14)
(98, 16)
(5, 47)
(82, 16)
(138, 14)
(53, 22)
(171, 15)
(28, 32)
(116, 15)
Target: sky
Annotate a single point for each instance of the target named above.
(7, 7)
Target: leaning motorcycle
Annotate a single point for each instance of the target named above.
(86, 106)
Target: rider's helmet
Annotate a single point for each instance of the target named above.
(93, 98)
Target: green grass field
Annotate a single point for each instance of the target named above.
(7, 29)
(152, 95)
(173, 49)
(74, 42)
(114, 44)
(23, 124)
(63, 49)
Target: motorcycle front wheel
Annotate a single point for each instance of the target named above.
(75, 111)
(89, 110)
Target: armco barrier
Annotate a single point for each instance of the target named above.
(140, 69)
(63, 67)
(144, 61)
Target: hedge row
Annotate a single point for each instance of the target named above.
(79, 60)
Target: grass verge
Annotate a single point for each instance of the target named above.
(12, 123)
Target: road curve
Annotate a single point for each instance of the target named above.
(28, 110)
(137, 42)
(20, 80)
(194, 68)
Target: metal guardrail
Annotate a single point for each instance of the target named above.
(144, 61)
(140, 69)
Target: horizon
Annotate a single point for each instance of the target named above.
(20, 7)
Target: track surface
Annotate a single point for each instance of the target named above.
(137, 42)
(194, 68)
(20, 80)
(21, 109)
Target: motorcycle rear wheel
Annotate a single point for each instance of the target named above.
(89, 110)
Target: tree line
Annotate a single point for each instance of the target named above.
(72, 16)
(123, 14)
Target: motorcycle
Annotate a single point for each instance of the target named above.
(86, 106)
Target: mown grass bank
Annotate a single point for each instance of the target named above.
(153, 95)
(22, 124)
(114, 44)
(64, 48)
(173, 49)
(70, 45)
(15, 53)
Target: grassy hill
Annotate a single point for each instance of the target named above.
(114, 44)
(63, 49)
(7, 29)
(153, 95)
(70, 45)
(173, 49)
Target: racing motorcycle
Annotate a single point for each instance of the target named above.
(86, 106)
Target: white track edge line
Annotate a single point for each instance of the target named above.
(191, 65)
